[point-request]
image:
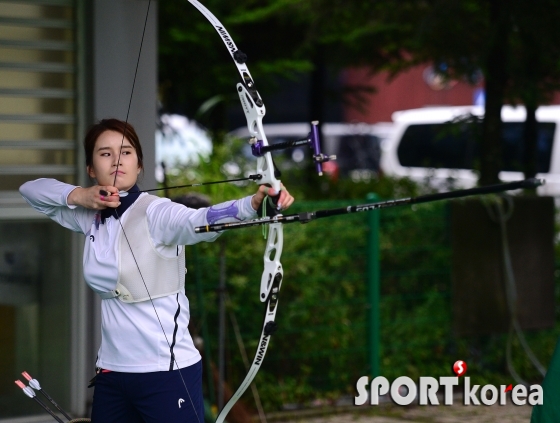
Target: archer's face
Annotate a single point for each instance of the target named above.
(106, 158)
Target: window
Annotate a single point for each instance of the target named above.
(454, 146)
(37, 113)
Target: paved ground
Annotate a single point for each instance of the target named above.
(456, 413)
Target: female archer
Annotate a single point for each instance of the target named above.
(148, 369)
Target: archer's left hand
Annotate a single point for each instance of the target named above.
(284, 202)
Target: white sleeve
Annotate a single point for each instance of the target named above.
(50, 197)
(173, 224)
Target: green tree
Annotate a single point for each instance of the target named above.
(535, 66)
(194, 65)
(513, 43)
(459, 37)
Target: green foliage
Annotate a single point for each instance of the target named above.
(320, 349)
(193, 62)
(513, 45)
(226, 162)
(321, 304)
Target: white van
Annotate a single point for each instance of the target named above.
(356, 145)
(425, 148)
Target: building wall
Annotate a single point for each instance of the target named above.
(38, 133)
(64, 64)
(408, 90)
(117, 37)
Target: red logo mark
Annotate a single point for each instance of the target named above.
(460, 368)
(509, 388)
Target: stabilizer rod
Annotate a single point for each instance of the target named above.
(305, 217)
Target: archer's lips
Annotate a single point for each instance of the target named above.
(119, 172)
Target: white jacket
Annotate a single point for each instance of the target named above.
(132, 339)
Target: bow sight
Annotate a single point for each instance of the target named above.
(312, 141)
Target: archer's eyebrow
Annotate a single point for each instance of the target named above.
(109, 148)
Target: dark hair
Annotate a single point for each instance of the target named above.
(116, 125)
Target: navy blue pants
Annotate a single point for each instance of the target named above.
(158, 397)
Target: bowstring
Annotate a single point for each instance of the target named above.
(132, 90)
(120, 222)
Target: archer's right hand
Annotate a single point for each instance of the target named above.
(95, 198)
